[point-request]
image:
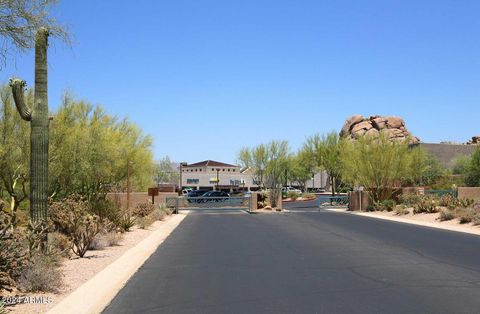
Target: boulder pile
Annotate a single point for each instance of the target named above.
(474, 141)
(357, 126)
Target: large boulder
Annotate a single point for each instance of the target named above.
(357, 126)
(348, 125)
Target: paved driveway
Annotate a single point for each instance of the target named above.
(306, 262)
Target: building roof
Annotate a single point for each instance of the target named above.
(209, 163)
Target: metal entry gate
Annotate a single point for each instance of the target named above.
(208, 203)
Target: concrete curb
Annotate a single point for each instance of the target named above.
(409, 221)
(97, 293)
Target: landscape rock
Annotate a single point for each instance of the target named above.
(357, 126)
(474, 141)
(347, 127)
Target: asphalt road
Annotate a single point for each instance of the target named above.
(305, 262)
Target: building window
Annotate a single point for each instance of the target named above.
(193, 181)
(228, 170)
(233, 170)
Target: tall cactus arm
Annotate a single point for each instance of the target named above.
(18, 87)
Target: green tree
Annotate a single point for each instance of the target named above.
(90, 151)
(379, 165)
(269, 163)
(471, 169)
(14, 154)
(301, 168)
(326, 151)
(255, 158)
(165, 171)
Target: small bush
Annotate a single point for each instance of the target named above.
(426, 204)
(465, 202)
(61, 243)
(145, 222)
(13, 254)
(98, 243)
(476, 220)
(158, 214)
(401, 210)
(446, 214)
(293, 195)
(409, 199)
(143, 209)
(41, 275)
(113, 238)
(465, 215)
(126, 222)
(448, 201)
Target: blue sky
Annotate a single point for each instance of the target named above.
(206, 77)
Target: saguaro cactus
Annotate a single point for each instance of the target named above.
(39, 121)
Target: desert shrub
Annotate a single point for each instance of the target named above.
(106, 210)
(13, 254)
(127, 221)
(449, 201)
(98, 243)
(143, 209)
(465, 215)
(293, 195)
(409, 199)
(309, 195)
(41, 275)
(145, 222)
(387, 205)
(164, 208)
(476, 219)
(401, 210)
(113, 238)
(158, 214)
(465, 202)
(61, 243)
(71, 216)
(446, 214)
(426, 204)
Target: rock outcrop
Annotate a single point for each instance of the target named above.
(357, 126)
(474, 141)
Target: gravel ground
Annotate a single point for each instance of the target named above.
(77, 271)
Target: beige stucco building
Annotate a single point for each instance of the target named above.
(210, 174)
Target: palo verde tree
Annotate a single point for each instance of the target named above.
(269, 163)
(326, 151)
(14, 155)
(380, 165)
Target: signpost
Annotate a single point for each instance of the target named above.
(153, 192)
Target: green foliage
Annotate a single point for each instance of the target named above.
(300, 169)
(2, 307)
(469, 167)
(465, 215)
(269, 163)
(126, 222)
(427, 170)
(71, 216)
(91, 149)
(387, 205)
(293, 195)
(448, 201)
(426, 204)
(401, 210)
(446, 214)
(326, 152)
(379, 165)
